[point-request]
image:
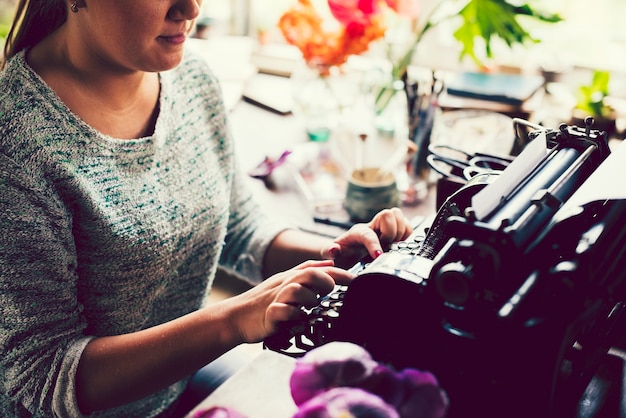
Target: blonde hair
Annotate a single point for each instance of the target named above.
(33, 21)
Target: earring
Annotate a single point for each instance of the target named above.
(74, 7)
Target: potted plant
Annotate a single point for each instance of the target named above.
(591, 101)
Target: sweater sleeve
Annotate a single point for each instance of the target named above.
(40, 316)
(251, 229)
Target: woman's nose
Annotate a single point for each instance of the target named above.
(185, 10)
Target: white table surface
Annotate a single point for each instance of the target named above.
(259, 390)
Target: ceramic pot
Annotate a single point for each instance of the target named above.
(367, 193)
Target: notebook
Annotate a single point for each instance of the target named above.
(505, 88)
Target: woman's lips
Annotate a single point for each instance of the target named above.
(176, 39)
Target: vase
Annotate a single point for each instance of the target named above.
(391, 113)
(378, 122)
(392, 126)
(321, 95)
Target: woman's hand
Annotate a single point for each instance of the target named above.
(259, 311)
(389, 225)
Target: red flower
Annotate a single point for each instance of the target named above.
(360, 24)
(354, 11)
(406, 8)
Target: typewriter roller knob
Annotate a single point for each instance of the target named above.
(453, 283)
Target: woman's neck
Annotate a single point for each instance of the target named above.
(121, 104)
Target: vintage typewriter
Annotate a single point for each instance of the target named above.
(511, 294)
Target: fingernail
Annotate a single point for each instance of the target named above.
(333, 252)
(377, 253)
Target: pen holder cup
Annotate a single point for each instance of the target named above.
(368, 192)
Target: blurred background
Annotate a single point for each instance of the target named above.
(590, 37)
(592, 33)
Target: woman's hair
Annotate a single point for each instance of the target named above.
(34, 20)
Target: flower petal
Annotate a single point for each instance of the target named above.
(425, 402)
(331, 365)
(386, 383)
(346, 402)
(424, 397)
(306, 382)
(406, 8)
(329, 45)
(414, 377)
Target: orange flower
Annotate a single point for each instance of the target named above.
(303, 27)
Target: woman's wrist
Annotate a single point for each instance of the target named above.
(292, 247)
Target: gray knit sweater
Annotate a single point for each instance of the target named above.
(103, 236)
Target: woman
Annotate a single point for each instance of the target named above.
(120, 197)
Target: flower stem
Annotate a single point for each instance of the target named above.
(399, 69)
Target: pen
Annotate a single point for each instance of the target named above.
(332, 222)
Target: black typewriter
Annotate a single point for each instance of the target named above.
(511, 294)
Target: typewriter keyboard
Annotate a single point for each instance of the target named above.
(299, 337)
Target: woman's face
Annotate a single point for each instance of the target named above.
(136, 35)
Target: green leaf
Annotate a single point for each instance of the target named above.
(489, 19)
(4, 30)
(591, 97)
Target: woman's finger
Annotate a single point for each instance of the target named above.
(314, 263)
(391, 225)
(296, 294)
(278, 312)
(320, 279)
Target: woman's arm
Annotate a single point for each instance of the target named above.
(119, 369)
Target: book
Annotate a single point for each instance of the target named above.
(269, 92)
(512, 89)
(276, 59)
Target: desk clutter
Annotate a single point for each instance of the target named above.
(427, 112)
(334, 191)
(482, 125)
(514, 307)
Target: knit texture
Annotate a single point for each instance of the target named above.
(103, 236)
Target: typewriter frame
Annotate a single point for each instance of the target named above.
(514, 312)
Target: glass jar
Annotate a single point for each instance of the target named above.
(321, 96)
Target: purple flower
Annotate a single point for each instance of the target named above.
(424, 397)
(346, 402)
(386, 383)
(412, 392)
(328, 374)
(218, 412)
(332, 365)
